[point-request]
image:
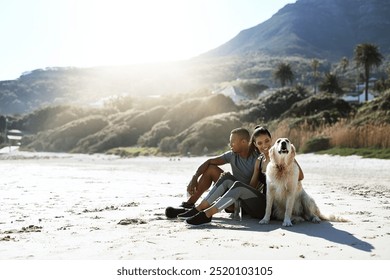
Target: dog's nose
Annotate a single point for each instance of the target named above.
(284, 145)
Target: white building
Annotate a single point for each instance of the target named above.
(233, 92)
(358, 97)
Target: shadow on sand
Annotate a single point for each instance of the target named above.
(324, 230)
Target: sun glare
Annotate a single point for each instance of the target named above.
(121, 32)
(87, 33)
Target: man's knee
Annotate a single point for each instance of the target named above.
(213, 172)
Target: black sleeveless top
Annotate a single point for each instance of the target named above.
(262, 186)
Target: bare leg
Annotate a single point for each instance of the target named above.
(203, 205)
(211, 175)
(211, 211)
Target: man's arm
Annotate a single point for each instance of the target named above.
(219, 160)
(211, 161)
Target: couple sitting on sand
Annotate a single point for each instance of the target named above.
(248, 158)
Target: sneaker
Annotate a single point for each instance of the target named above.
(198, 219)
(171, 212)
(187, 205)
(188, 214)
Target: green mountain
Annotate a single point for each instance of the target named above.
(326, 29)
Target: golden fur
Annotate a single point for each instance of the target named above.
(286, 198)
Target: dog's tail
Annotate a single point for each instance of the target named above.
(333, 218)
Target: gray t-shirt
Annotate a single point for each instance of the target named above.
(242, 168)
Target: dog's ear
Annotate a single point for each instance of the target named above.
(291, 155)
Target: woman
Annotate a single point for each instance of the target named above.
(252, 197)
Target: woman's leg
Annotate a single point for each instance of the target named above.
(252, 201)
(224, 183)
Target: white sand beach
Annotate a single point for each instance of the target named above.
(99, 207)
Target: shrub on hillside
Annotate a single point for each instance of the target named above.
(190, 111)
(251, 89)
(318, 103)
(169, 144)
(145, 120)
(152, 137)
(205, 136)
(327, 117)
(252, 115)
(122, 137)
(124, 117)
(272, 106)
(316, 144)
(124, 132)
(51, 117)
(64, 138)
(376, 111)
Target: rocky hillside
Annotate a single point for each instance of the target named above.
(326, 29)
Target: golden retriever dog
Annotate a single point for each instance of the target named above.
(286, 199)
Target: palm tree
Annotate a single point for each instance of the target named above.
(331, 84)
(368, 56)
(284, 74)
(315, 63)
(344, 62)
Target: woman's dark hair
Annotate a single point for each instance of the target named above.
(259, 130)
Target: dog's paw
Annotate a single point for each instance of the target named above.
(315, 220)
(297, 219)
(264, 221)
(287, 223)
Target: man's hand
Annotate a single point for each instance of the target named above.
(192, 186)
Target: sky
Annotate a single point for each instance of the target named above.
(38, 34)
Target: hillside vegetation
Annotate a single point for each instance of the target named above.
(201, 125)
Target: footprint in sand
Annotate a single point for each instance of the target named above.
(131, 204)
(7, 238)
(30, 228)
(107, 208)
(131, 222)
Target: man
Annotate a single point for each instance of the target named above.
(242, 159)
